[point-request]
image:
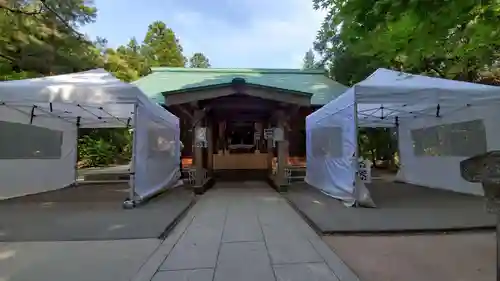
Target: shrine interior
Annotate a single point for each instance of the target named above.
(236, 130)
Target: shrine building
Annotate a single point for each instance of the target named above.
(232, 111)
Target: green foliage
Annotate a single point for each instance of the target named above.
(377, 144)
(102, 147)
(117, 63)
(309, 60)
(95, 152)
(451, 39)
(39, 38)
(199, 60)
(161, 46)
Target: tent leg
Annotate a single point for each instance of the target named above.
(130, 202)
(498, 247)
(356, 151)
(398, 149)
(75, 178)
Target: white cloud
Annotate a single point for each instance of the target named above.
(232, 33)
(279, 34)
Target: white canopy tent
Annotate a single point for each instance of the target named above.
(439, 123)
(39, 121)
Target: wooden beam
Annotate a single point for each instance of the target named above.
(198, 152)
(242, 106)
(183, 110)
(263, 93)
(240, 101)
(193, 119)
(200, 115)
(241, 116)
(282, 152)
(294, 110)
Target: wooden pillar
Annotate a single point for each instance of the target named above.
(282, 152)
(210, 148)
(258, 130)
(221, 137)
(198, 150)
(270, 153)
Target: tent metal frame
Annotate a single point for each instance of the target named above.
(77, 121)
(63, 114)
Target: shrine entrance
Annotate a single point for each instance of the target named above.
(242, 150)
(238, 126)
(241, 136)
(228, 128)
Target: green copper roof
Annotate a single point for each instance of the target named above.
(167, 79)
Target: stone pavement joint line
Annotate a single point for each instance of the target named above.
(244, 233)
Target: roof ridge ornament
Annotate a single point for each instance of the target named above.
(238, 84)
(238, 81)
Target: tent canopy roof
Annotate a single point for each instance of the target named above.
(387, 94)
(399, 87)
(94, 98)
(90, 87)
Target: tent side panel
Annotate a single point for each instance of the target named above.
(157, 152)
(431, 148)
(35, 158)
(330, 146)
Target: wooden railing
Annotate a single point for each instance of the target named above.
(247, 161)
(295, 170)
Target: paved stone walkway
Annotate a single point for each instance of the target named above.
(243, 231)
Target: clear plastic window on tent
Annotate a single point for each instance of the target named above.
(426, 142)
(24, 141)
(463, 139)
(162, 142)
(327, 142)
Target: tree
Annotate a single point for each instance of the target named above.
(309, 60)
(199, 60)
(40, 38)
(117, 64)
(411, 36)
(132, 53)
(127, 62)
(161, 46)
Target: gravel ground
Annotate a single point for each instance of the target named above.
(439, 257)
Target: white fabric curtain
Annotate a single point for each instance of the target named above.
(156, 159)
(25, 172)
(431, 148)
(331, 146)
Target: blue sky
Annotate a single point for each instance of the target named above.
(231, 33)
